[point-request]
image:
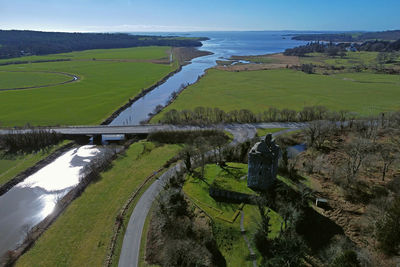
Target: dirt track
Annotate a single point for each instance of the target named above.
(74, 77)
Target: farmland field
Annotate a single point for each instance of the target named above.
(364, 93)
(21, 79)
(108, 78)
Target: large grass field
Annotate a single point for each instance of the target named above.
(138, 53)
(105, 85)
(228, 234)
(365, 93)
(13, 79)
(350, 59)
(81, 235)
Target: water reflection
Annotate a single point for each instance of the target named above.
(32, 200)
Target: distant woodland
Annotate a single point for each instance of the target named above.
(15, 43)
(333, 49)
(350, 37)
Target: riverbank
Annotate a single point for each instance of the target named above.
(83, 233)
(130, 102)
(182, 56)
(37, 166)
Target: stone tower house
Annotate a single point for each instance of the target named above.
(263, 164)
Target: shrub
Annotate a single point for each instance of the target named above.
(388, 229)
(347, 259)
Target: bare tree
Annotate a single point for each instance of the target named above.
(368, 128)
(317, 132)
(389, 155)
(355, 153)
(217, 143)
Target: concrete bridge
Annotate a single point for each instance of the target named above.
(238, 130)
(107, 130)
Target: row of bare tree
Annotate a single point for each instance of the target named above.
(207, 115)
(31, 141)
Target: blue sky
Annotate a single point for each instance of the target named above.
(188, 15)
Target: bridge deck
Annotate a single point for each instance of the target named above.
(145, 129)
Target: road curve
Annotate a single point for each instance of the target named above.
(73, 76)
(129, 256)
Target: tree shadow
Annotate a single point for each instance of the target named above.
(316, 229)
(234, 172)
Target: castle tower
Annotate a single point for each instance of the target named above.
(263, 164)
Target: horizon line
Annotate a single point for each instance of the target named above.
(193, 31)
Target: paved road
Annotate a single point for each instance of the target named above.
(129, 256)
(148, 128)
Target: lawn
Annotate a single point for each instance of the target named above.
(81, 235)
(364, 93)
(103, 88)
(227, 234)
(11, 165)
(29, 79)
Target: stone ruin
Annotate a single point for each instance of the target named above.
(263, 164)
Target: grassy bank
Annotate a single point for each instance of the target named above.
(11, 165)
(228, 234)
(83, 232)
(364, 93)
(108, 79)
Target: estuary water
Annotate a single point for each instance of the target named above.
(30, 201)
(223, 45)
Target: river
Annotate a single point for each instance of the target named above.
(30, 201)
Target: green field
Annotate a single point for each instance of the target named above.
(9, 80)
(227, 234)
(135, 53)
(349, 60)
(11, 165)
(82, 234)
(365, 93)
(105, 85)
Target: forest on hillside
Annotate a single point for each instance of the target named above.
(350, 36)
(15, 43)
(334, 49)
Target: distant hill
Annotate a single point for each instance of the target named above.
(16, 43)
(350, 37)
